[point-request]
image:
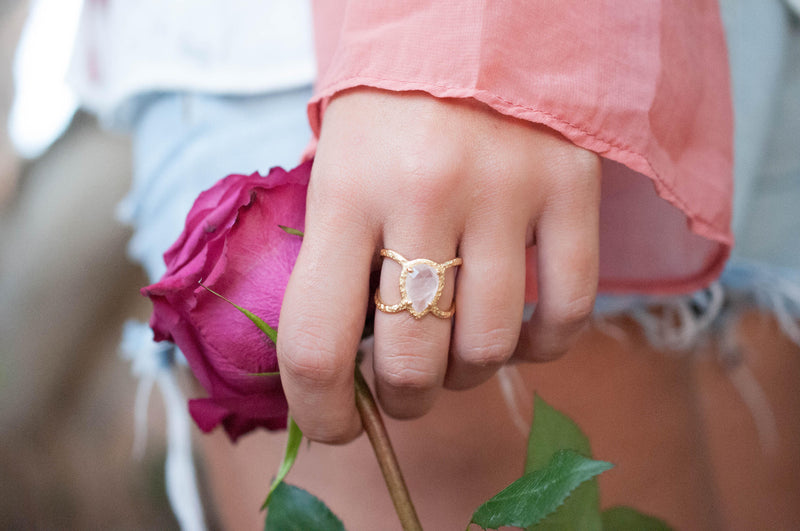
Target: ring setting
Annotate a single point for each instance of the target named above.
(421, 286)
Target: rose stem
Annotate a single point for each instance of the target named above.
(376, 431)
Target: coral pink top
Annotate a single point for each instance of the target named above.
(643, 84)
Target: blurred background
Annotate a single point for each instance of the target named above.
(66, 287)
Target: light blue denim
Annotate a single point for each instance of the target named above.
(184, 143)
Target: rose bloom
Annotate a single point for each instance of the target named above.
(233, 244)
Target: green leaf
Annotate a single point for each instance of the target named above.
(293, 440)
(627, 519)
(537, 494)
(264, 327)
(289, 230)
(552, 431)
(294, 509)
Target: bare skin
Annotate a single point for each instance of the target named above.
(434, 179)
(685, 446)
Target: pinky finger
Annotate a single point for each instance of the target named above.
(567, 238)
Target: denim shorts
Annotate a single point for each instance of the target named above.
(183, 143)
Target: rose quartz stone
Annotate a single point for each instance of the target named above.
(421, 285)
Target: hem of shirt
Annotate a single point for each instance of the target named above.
(579, 136)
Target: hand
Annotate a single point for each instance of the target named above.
(436, 179)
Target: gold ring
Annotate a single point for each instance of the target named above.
(421, 285)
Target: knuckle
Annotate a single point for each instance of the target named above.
(404, 335)
(333, 433)
(423, 164)
(572, 313)
(429, 174)
(313, 367)
(408, 372)
(549, 353)
(490, 350)
(580, 162)
(584, 162)
(576, 174)
(311, 357)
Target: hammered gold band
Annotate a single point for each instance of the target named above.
(421, 286)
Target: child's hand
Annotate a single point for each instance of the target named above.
(436, 179)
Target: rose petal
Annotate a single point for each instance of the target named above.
(232, 243)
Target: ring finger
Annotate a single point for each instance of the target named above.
(411, 352)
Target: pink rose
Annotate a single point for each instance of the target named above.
(233, 244)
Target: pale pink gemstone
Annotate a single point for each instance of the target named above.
(422, 282)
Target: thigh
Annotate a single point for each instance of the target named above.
(685, 446)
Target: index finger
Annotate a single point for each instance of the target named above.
(321, 322)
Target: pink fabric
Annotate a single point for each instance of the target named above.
(643, 84)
